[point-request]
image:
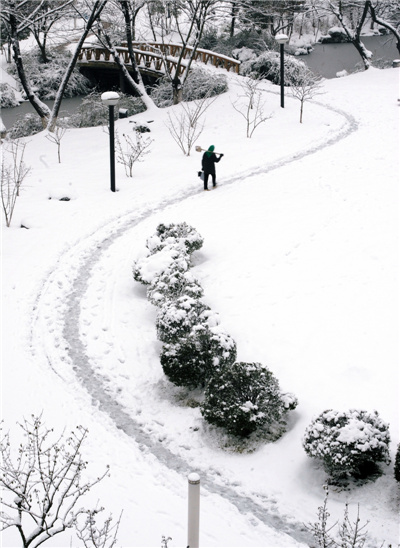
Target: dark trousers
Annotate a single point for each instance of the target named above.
(206, 179)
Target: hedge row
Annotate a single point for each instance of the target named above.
(241, 397)
(197, 351)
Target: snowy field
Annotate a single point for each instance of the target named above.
(300, 259)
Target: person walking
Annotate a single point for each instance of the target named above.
(208, 165)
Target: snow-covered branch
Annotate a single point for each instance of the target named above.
(43, 482)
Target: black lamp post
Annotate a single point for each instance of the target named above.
(111, 98)
(282, 39)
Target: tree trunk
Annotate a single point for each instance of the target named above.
(95, 14)
(354, 37)
(42, 110)
(177, 91)
(234, 13)
(129, 38)
(138, 88)
(384, 24)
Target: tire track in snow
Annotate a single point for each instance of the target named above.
(58, 310)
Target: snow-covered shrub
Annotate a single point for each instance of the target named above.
(397, 464)
(45, 78)
(192, 360)
(7, 96)
(204, 83)
(228, 45)
(169, 250)
(170, 258)
(242, 398)
(200, 83)
(171, 284)
(171, 234)
(26, 125)
(289, 400)
(92, 112)
(175, 319)
(335, 35)
(267, 66)
(348, 443)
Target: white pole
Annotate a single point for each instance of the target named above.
(193, 510)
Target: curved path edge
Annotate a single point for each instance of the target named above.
(79, 261)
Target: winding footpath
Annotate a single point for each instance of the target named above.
(55, 333)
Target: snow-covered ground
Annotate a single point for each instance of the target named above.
(300, 259)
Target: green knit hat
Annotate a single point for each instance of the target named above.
(210, 150)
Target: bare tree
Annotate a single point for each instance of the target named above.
(90, 17)
(352, 16)
(351, 535)
(17, 18)
(188, 19)
(50, 13)
(55, 138)
(13, 173)
(304, 87)
(185, 127)
(384, 14)
(251, 106)
(94, 535)
(132, 151)
(137, 85)
(42, 482)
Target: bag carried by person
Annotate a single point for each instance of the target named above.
(201, 175)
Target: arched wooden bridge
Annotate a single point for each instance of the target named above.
(154, 58)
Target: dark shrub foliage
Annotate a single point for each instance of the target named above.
(92, 112)
(171, 234)
(7, 96)
(171, 284)
(199, 84)
(226, 45)
(168, 250)
(192, 360)
(267, 66)
(242, 398)
(26, 125)
(397, 464)
(170, 258)
(348, 443)
(45, 78)
(176, 318)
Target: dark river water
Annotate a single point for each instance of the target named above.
(9, 115)
(325, 59)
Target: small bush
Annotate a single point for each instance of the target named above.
(170, 258)
(348, 443)
(177, 318)
(92, 112)
(45, 78)
(397, 464)
(267, 66)
(199, 84)
(191, 361)
(168, 249)
(26, 125)
(171, 284)
(7, 96)
(228, 45)
(179, 234)
(242, 398)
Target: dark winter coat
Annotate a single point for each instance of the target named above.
(208, 163)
